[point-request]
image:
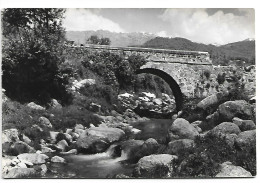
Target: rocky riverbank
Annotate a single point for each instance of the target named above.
(231, 126)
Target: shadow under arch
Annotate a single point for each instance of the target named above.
(176, 91)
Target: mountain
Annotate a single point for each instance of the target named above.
(117, 39)
(237, 51)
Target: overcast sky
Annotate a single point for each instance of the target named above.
(219, 26)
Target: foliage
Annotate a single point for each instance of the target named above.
(71, 115)
(221, 78)
(209, 152)
(32, 51)
(113, 69)
(237, 89)
(96, 40)
(207, 73)
(104, 95)
(21, 117)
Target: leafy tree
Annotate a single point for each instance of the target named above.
(32, 51)
(105, 41)
(94, 39)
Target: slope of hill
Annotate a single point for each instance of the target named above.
(117, 39)
(242, 50)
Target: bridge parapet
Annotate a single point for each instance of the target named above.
(156, 55)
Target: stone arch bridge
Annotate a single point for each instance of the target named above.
(182, 70)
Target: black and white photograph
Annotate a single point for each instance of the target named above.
(128, 93)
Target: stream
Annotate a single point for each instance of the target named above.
(104, 165)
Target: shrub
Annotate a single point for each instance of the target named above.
(207, 73)
(221, 78)
(104, 95)
(32, 52)
(71, 115)
(209, 152)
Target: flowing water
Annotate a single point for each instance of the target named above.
(104, 165)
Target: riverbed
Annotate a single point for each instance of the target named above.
(104, 165)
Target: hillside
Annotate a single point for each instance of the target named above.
(242, 50)
(117, 39)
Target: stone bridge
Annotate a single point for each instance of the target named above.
(182, 70)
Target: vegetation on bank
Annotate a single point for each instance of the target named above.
(203, 161)
(32, 52)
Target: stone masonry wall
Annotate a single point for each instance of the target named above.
(193, 71)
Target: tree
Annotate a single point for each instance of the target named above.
(94, 39)
(33, 42)
(105, 41)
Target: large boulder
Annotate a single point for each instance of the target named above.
(63, 145)
(182, 129)
(47, 150)
(79, 126)
(225, 128)
(82, 83)
(55, 104)
(34, 106)
(19, 148)
(10, 135)
(157, 101)
(246, 139)
(229, 170)
(20, 173)
(237, 108)
(180, 145)
(34, 158)
(110, 134)
(91, 144)
(209, 101)
(130, 147)
(154, 166)
(57, 159)
(150, 146)
(97, 139)
(244, 125)
(44, 122)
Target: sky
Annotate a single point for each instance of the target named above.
(209, 26)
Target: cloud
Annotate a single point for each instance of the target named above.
(197, 25)
(88, 19)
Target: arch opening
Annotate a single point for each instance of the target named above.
(176, 91)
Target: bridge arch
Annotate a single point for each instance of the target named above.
(176, 91)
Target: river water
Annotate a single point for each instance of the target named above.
(104, 165)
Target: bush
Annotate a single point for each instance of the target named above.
(32, 54)
(221, 78)
(209, 152)
(104, 95)
(207, 73)
(71, 115)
